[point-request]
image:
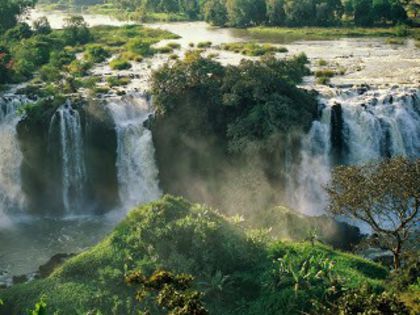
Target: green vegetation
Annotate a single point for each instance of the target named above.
(253, 49)
(96, 53)
(120, 64)
(170, 292)
(24, 52)
(323, 76)
(244, 105)
(117, 81)
(204, 44)
(286, 35)
(237, 271)
(241, 13)
(10, 11)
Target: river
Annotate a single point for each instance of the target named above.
(381, 119)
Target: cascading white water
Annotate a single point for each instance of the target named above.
(375, 124)
(11, 195)
(66, 121)
(136, 167)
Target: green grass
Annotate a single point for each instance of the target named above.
(287, 35)
(182, 237)
(253, 49)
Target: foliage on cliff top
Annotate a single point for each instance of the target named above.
(244, 105)
(24, 51)
(237, 269)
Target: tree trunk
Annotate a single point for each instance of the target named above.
(397, 253)
(397, 262)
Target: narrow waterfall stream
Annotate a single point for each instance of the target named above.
(11, 195)
(66, 124)
(137, 170)
(356, 126)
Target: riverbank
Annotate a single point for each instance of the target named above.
(287, 34)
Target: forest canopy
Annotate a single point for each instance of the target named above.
(241, 13)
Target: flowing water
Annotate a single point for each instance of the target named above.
(66, 125)
(137, 170)
(11, 196)
(355, 125)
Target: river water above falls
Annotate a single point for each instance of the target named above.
(355, 125)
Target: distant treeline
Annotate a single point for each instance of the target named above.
(241, 13)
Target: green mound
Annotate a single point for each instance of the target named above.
(238, 270)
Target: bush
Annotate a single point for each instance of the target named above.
(116, 81)
(204, 44)
(19, 32)
(363, 300)
(141, 46)
(96, 53)
(120, 64)
(253, 49)
(79, 68)
(163, 50)
(42, 26)
(49, 73)
(76, 31)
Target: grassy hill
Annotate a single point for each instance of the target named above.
(239, 271)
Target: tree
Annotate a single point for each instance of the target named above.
(215, 12)
(246, 12)
(300, 13)
(385, 195)
(76, 31)
(363, 12)
(42, 26)
(275, 12)
(10, 10)
(6, 64)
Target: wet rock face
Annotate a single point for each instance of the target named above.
(337, 134)
(41, 172)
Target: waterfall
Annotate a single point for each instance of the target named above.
(11, 195)
(356, 126)
(136, 167)
(66, 124)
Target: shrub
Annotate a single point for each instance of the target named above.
(204, 44)
(42, 26)
(79, 68)
(163, 50)
(116, 81)
(141, 46)
(120, 64)
(326, 73)
(76, 31)
(96, 53)
(19, 32)
(174, 45)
